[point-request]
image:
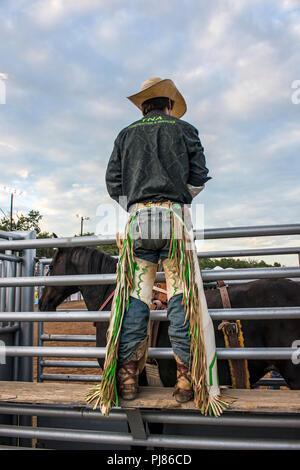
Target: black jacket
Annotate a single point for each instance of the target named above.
(154, 159)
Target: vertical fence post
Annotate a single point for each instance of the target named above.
(3, 289)
(41, 269)
(27, 328)
(11, 291)
(17, 309)
(26, 333)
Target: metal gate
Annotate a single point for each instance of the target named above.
(209, 432)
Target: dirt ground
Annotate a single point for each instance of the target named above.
(67, 328)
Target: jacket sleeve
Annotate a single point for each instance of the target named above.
(198, 171)
(113, 175)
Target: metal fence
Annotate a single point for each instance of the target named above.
(17, 284)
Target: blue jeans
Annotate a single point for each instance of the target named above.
(135, 321)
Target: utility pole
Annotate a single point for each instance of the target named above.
(12, 191)
(81, 222)
(11, 210)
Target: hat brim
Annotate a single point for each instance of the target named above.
(166, 89)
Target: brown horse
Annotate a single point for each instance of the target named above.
(257, 333)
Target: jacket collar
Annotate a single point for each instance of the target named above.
(156, 112)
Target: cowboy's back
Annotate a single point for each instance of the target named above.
(154, 159)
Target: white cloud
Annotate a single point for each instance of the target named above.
(282, 140)
(36, 56)
(47, 13)
(8, 145)
(292, 195)
(23, 173)
(258, 81)
(288, 4)
(103, 107)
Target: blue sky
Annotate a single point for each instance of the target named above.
(71, 64)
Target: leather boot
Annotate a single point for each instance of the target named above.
(128, 373)
(183, 390)
(127, 380)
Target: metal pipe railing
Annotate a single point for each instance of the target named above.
(10, 235)
(40, 326)
(101, 279)
(167, 417)
(249, 252)
(26, 330)
(71, 377)
(118, 438)
(263, 313)
(255, 231)
(208, 234)
(230, 253)
(76, 364)
(69, 338)
(161, 353)
(6, 257)
(9, 329)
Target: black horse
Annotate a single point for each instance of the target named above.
(258, 333)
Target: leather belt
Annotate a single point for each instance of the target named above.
(148, 204)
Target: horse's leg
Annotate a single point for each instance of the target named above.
(290, 372)
(282, 334)
(100, 339)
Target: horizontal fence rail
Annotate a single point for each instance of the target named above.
(17, 259)
(167, 417)
(71, 377)
(230, 253)
(101, 279)
(263, 313)
(208, 234)
(9, 329)
(69, 338)
(161, 353)
(10, 235)
(84, 364)
(117, 438)
(249, 252)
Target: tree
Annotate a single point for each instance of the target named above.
(234, 263)
(28, 222)
(24, 222)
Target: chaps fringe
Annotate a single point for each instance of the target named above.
(203, 371)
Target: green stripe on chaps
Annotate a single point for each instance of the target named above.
(144, 277)
(173, 281)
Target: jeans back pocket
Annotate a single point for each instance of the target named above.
(152, 228)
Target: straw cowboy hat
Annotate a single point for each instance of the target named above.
(158, 88)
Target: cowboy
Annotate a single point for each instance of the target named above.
(157, 163)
